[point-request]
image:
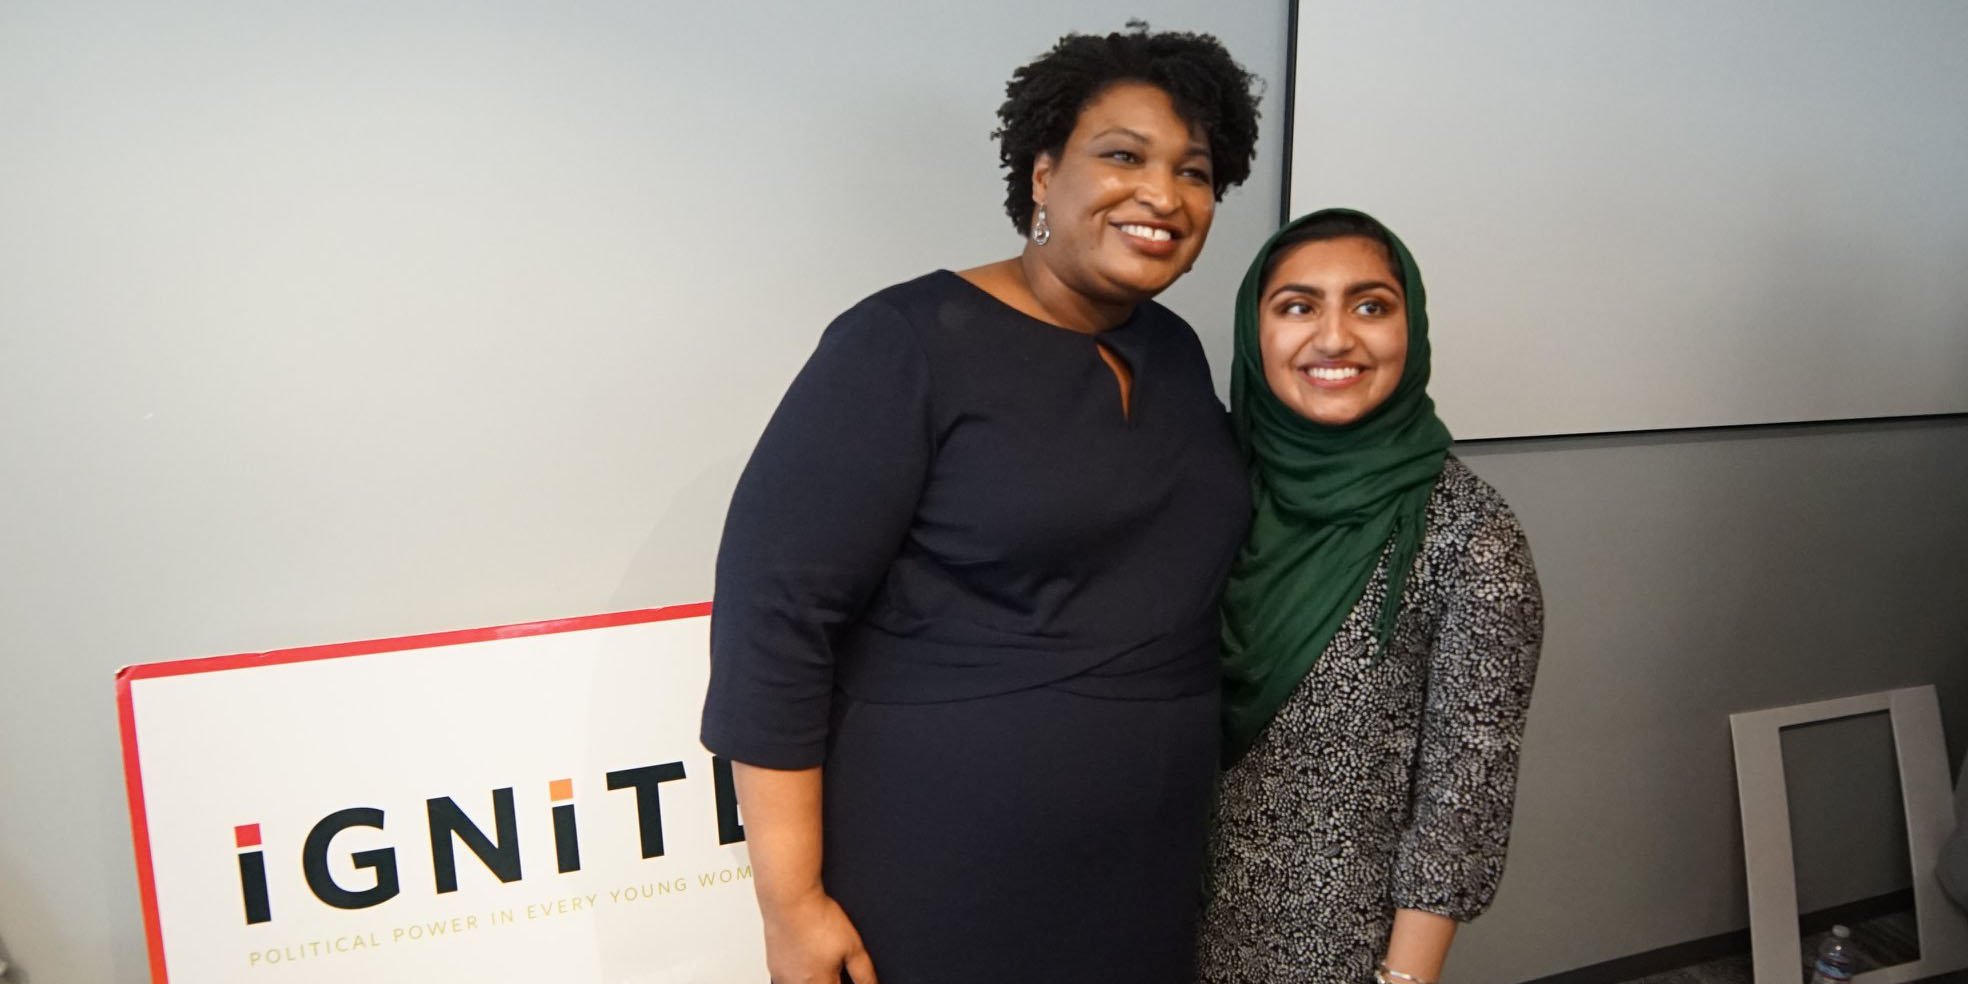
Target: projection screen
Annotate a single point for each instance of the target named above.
(1666, 214)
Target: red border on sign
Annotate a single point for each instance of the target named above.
(126, 712)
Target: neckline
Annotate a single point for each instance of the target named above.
(1000, 303)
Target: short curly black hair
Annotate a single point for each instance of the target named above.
(1043, 101)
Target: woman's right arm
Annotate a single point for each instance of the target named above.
(823, 507)
(808, 938)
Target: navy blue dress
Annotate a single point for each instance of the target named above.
(958, 576)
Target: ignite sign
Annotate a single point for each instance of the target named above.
(521, 803)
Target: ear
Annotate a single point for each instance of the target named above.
(1042, 168)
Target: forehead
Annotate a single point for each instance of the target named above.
(1342, 261)
(1142, 107)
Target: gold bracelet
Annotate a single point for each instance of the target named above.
(1384, 974)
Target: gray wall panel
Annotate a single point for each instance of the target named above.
(1688, 576)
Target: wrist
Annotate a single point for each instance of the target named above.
(789, 903)
(1384, 974)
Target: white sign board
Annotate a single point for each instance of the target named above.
(525, 803)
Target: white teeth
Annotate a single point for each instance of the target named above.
(1333, 372)
(1146, 232)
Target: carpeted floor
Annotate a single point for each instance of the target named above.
(1882, 942)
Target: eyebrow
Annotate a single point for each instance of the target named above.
(1195, 149)
(1351, 289)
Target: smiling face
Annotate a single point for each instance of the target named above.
(1128, 198)
(1333, 329)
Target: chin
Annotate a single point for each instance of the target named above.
(1326, 415)
(1148, 275)
(1144, 283)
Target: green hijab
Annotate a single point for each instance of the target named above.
(1328, 501)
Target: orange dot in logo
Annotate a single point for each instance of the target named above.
(560, 789)
(246, 835)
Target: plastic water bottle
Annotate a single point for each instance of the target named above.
(1835, 958)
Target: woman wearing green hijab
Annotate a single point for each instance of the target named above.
(1381, 633)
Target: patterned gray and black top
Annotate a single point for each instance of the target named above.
(1384, 782)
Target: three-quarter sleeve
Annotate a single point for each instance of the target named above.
(1451, 855)
(818, 515)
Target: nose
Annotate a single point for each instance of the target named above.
(1156, 189)
(1332, 336)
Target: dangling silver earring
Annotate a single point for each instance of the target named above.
(1041, 232)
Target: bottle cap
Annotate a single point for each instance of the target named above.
(1841, 932)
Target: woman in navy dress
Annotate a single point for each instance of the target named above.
(964, 647)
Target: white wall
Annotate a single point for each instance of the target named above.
(332, 321)
(1665, 213)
